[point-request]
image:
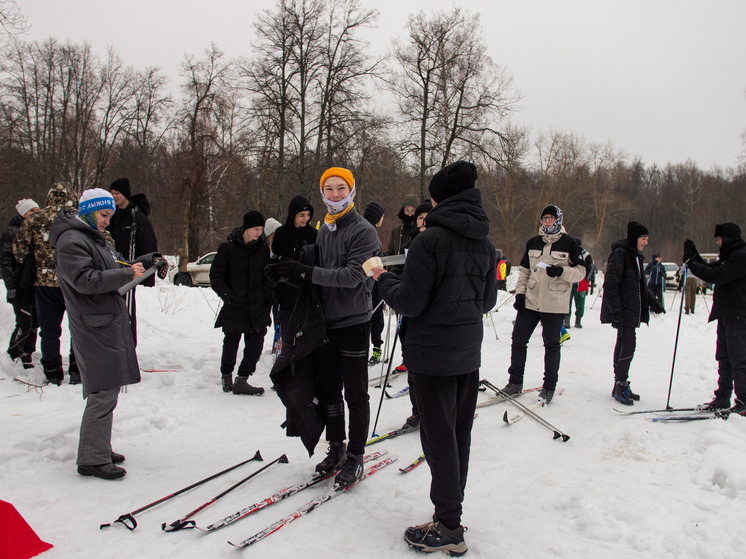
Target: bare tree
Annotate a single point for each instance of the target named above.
(12, 22)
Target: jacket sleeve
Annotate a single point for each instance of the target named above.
(720, 272)
(75, 266)
(576, 270)
(145, 239)
(7, 260)
(23, 244)
(363, 245)
(489, 299)
(410, 295)
(219, 272)
(392, 248)
(524, 270)
(613, 282)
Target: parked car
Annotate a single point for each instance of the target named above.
(708, 257)
(672, 270)
(198, 273)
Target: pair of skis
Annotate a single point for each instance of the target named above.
(510, 419)
(697, 413)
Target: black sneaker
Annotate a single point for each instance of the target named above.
(104, 471)
(227, 382)
(412, 423)
(433, 536)
(513, 388)
(352, 471)
(546, 395)
(622, 393)
(335, 455)
(241, 386)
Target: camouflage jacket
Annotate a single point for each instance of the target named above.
(33, 235)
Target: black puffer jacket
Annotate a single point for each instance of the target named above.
(120, 227)
(8, 262)
(625, 287)
(237, 275)
(728, 275)
(449, 282)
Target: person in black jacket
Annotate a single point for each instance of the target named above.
(626, 303)
(23, 339)
(237, 275)
(449, 282)
(373, 214)
(728, 275)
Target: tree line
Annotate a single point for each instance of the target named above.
(252, 132)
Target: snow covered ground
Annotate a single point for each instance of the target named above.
(620, 487)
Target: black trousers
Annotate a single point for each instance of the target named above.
(376, 321)
(624, 351)
(447, 407)
(252, 350)
(50, 310)
(342, 366)
(23, 338)
(525, 324)
(731, 357)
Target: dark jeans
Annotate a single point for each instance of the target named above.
(50, 310)
(658, 292)
(525, 324)
(447, 407)
(23, 338)
(252, 351)
(342, 364)
(731, 357)
(624, 351)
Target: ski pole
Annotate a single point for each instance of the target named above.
(494, 327)
(184, 522)
(497, 308)
(130, 515)
(676, 343)
(705, 299)
(386, 381)
(387, 343)
(596, 299)
(529, 411)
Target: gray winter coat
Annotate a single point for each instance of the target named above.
(89, 277)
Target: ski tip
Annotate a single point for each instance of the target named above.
(283, 459)
(258, 457)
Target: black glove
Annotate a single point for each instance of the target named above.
(554, 271)
(10, 296)
(520, 302)
(616, 320)
(656, 307)
(293, 270)
(690, 251)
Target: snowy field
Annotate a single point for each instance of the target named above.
(621, 487)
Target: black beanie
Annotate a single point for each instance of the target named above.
(374, 212)
(636, 230)
(728, 230)
(252, 219)
(123, 187)
(551, 209)
(452, 179)
(425, 207)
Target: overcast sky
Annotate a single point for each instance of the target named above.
(663, 79)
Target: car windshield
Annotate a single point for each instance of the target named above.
(207, 259)
(671, 267)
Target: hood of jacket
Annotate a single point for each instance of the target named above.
(15, 221)
(61, 196)
(140, 201)
(625, 244)
(297, 205)
(462, 213)
(67, 220)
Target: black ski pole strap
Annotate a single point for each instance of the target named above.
(123, 520)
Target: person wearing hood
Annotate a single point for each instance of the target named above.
(402, 233)
(237, 276)
(448, 283)
(23, 339)
(550, 265)
(344, 242)
(373, 214)
(728, 276)
(90, 273)
(32, 240)
(132, 212)
(626, 304)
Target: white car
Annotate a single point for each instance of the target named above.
(198, 273)
(672, 270)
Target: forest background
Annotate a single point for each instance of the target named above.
(252, 132)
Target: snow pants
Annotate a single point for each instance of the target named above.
(50, 310)
(624, 351)
(731, 357)
(525, 324)
(447, 407)
(342, 367)
(94, 447)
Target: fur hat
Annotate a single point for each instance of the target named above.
(25, 205)
(252, 219)
(452, 179)
(636, 230)
(122, 186)
(373, 212)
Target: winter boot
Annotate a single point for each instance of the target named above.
(27, 361)
(116, 458)
(433, 536)
(564, 337)
(546, 395)
(352, 471)
(566, 321)
(401, 368)
(227, 382)
(412, 423)
(719, 403)
(375, 358)
(53, 371)
(623, 393)
(635, 397)
(739, 408)
(335, 455)
(513, 388)
(104, 471)
(577, 322)
(241, 386)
